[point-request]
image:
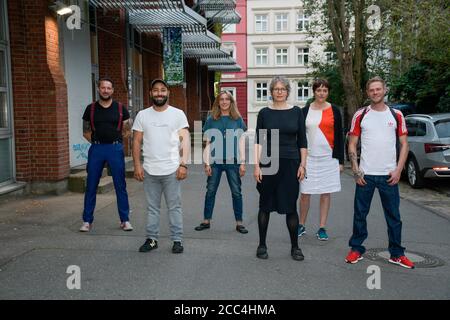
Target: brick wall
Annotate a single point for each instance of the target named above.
(39, 93)
(152, 63)
(192, 91)
(206, 99)
(178, 97)
(112, 55)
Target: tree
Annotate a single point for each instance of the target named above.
(417, 35)
(344, 23)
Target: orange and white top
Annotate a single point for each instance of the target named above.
(320, 132)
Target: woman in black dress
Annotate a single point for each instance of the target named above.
(279, 163)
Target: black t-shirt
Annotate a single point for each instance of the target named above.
(106, 121)
(291, 130)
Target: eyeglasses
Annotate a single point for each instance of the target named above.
(280, 89)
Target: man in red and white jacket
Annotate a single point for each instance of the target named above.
(381, 129)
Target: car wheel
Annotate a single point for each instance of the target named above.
(415, 178)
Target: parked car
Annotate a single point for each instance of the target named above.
(429, 147)
(405, 108)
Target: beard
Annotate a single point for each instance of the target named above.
(106, 98)
(159, 102)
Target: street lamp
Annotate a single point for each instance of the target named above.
(60, 8)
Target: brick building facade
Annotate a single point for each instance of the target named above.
(52, 74)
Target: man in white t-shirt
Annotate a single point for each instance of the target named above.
(163, 132)
(379, 127)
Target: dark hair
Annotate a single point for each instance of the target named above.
(105, 79)
(155, 81)
(319, 83)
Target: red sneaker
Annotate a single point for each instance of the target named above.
(402, 261)
(353, 257)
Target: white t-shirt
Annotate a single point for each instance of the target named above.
(161, 145)
(378, 131)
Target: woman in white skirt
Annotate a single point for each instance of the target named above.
(325, 158)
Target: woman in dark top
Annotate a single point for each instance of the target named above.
(280, 152)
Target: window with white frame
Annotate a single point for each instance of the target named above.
(229, 48)
(229, 28)
(231, 90)
(261, 91)
(303, 56)
(302, 22)
(303, 91)
(261, 23)
(281, 56)
(261, 56)
(281, 22)
(330, 56)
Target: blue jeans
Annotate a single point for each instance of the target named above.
(154, 187)
(390, 200)
(98, 155)
(234, 181)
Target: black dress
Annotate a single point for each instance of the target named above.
(279, 188)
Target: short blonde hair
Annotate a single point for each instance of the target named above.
(375, 79)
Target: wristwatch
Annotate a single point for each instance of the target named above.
(183, 165)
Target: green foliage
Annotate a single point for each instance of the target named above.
(425, 84)
(331, 72)
(417, 36)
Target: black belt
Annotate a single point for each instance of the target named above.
(98, 142)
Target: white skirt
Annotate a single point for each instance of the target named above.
(322, 175)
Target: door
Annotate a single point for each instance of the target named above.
(6, 126)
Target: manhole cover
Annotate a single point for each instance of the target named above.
(421, 260)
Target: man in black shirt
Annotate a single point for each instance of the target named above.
(105, 123)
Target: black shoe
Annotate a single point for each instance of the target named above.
(261, 252)
(202, 226)
(297, 254)
(177, 247)
(148, 245)
(241, 229)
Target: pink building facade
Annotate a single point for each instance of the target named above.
(234, 41)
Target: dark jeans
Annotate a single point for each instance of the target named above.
(234, 181)
(97, 156)
(390, 199)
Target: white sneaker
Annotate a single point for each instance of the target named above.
(126, 226)
(85, 227)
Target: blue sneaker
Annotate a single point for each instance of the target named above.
(322, 234)
(301, 230)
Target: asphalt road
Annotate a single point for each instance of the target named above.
(40, 240)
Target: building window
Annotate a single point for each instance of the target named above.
(261, 91)
(229, 28)
(303, 91)
(261, 57)
(6, 132)
(303, 56)
(330, 57)
(2, 23)
(261, 23)
(302, 22)
(282, 56)
(231, 90)
(281, 22)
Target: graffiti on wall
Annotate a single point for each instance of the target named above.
(81, 150)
